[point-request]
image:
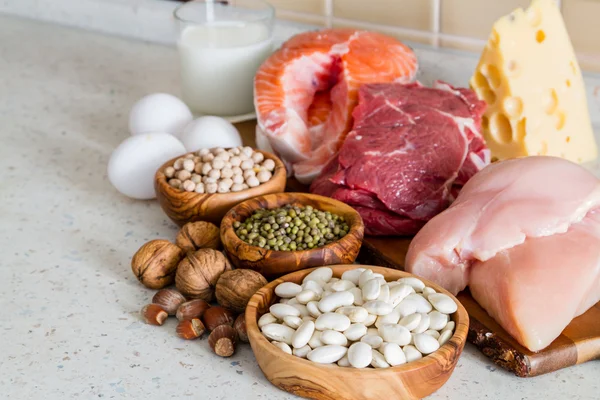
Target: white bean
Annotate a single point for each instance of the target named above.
(378, 360)
(372, 340)
(444, 337)
(411, 321)
(423, 306)
(364, 277)
(406, 307)
(314, 286)
(426, 344)
(322, 274)
(391, 318)
(305, 296)
(378, 307)
(443, 303)
(278, 332)
(393, 354)
(333, 337)
(337, 322)
(283, 346)
(266, 319)
(357, 293)
(371, 290)
(394, 333)
(327, 354)
(356, 314)
(282, 310)
(373, 331)
(344, 362)
(423, 324)
(352, 275)
(301, 309)
(292, 301)
(437, 320)
(370, 320)
(384, 293)
(427, 291)
(313, 309)
(335, 300)
(287, 290)
(315, 340)
(433, 333)
(342, 285)
(292, 322)
(360, 355)
(327, 286)
(411, 353)
(355, 332)
(302, 351)
(449, 326)
(302, 335)
(416, 283)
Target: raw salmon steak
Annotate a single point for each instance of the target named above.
(305, 92)
(524, 235)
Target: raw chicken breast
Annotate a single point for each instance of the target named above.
(305, 92)
(524, 235)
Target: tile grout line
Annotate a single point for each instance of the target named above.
(436, 21)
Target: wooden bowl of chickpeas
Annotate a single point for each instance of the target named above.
(204, 185)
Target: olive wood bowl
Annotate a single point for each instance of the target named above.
(273, 263)
(183, 207)
(305, 378)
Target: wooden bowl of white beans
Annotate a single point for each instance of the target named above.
(319, 373)
(203, 202)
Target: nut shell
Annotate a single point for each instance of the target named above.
(192, 309)
(190, 329)
(240, 328)
(155, 263)
(217, 316)
(154, 314)
(198, 235)
(234, 288)
(222, 340)
(169, 299)
(198, 273)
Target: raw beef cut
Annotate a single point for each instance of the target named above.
(524, 235)
(305, 92)
(410, 151)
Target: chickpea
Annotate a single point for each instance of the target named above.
(169, 172)
(183, 175)
(188, 186)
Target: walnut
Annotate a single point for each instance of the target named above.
(154, 264)
(198, 235)
(235, 288)
(197, 274)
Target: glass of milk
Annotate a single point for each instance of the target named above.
(221, 45)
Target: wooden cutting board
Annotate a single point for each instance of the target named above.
(578, 343)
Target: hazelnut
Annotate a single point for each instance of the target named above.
(197, 274)
(190, 329)
(155, 263)
(192, 309)
(198, 235)
(154, 314)
(240, 328)
(217, 316)
(234, 288)
(169, 300)
(222, 340)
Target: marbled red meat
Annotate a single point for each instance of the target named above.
(410, 151)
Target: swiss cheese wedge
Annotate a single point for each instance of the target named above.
(529, 76)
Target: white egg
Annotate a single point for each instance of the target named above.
(134, 162)
(207, 132)
(159, 112)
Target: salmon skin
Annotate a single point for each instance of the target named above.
(304, 94)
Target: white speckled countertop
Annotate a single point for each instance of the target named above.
(70, 306)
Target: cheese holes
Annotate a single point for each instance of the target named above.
(481, 81)
(500, 128)
(533, 16)
(513, 106)
(550, 101)
(491, 72)
(521, 129)
(568, 139)
(494, 39)
(559, 120)
(573, 67)
(485, 122)
(540, 36)
(512, 68)
(568, 83)
(488, 95)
